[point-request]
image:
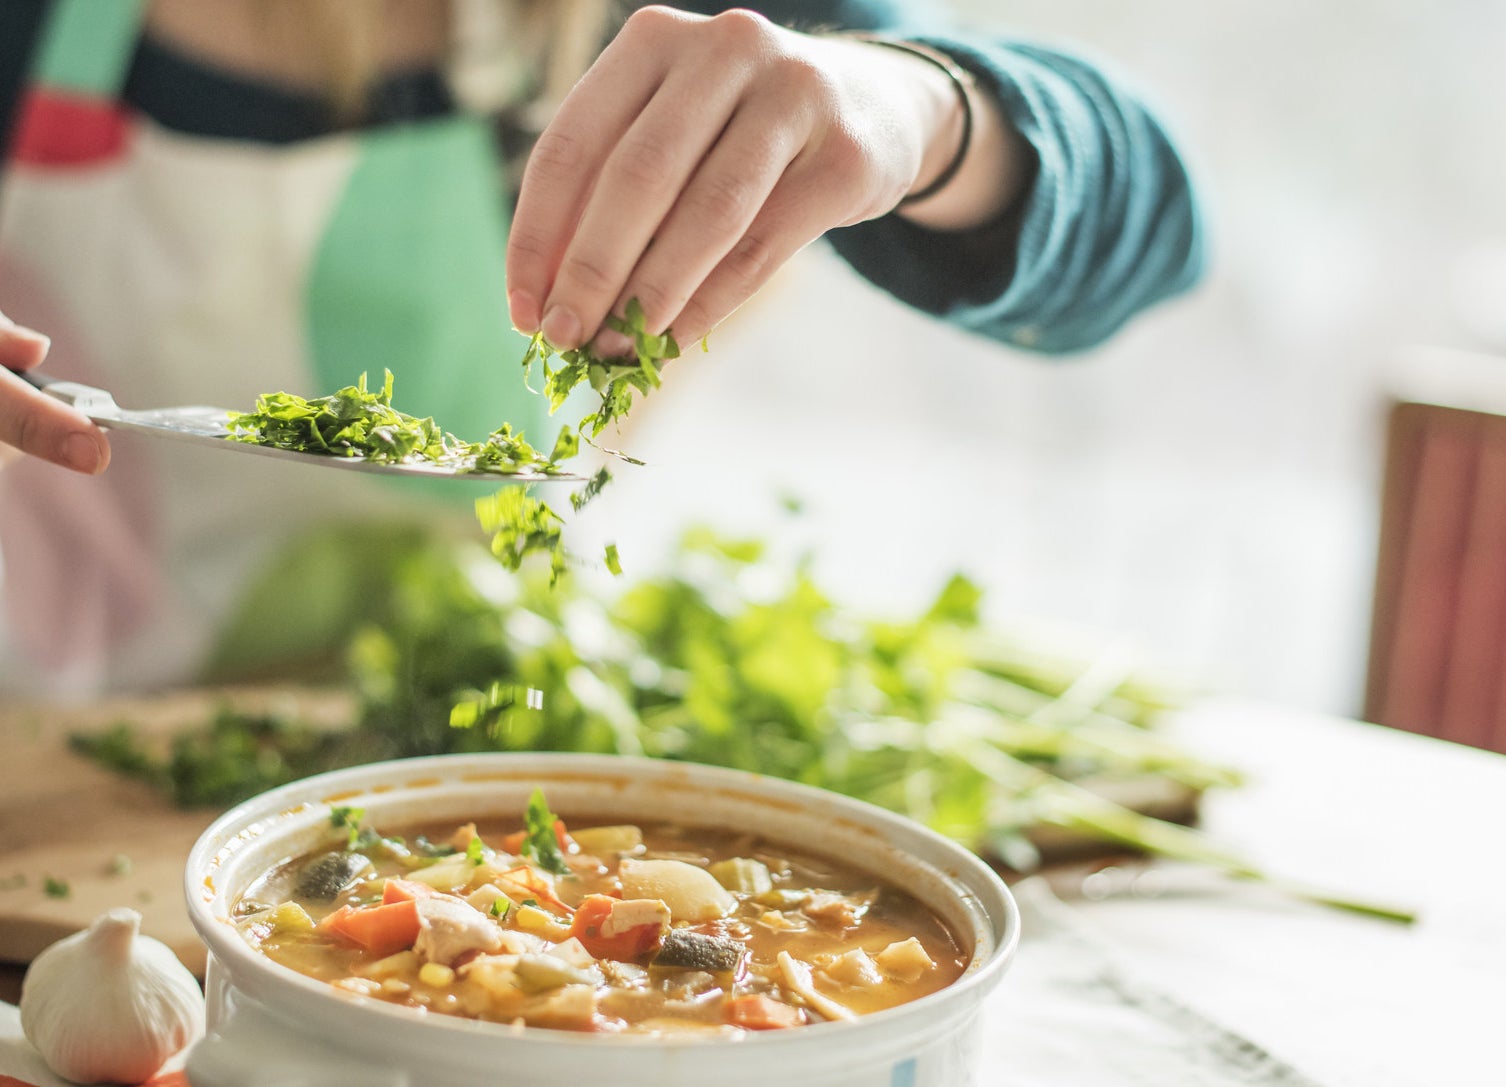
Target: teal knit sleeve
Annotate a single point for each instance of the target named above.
(1107, 226)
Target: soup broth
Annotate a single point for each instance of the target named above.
(601, 926)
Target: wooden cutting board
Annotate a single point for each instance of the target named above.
(112, 841)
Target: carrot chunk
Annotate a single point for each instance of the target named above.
(755, 1011)
(623, 937)
(405, 890)
(380, 930)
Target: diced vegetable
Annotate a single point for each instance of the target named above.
(435, 975)
(744, 875)
(404, 890)
(755, 1011)
(904, 961)
(612, 928)
(536, 973)
(489, 899)
(537, 921)
(604, 841)
(379, 930)
(400, 962)
(692, 894)
(448, 874)
(797, 979)
(853, 968)
(291, 917)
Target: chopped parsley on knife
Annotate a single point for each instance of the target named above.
(357, 422)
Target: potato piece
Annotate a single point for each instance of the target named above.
(854, 969)
(692, 894)
(905, 960)
(603, 841)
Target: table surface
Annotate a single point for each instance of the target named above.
(1345, 1000)
(1348, 1000)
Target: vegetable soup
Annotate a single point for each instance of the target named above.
(611, 928)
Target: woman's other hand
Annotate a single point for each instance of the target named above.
(35, 423)
(699, 154)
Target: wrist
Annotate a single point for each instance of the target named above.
(953, 91)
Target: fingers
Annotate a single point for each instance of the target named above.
(562, 170)
(696, 157)
(35, 423)
(657, 108)
(21, 348)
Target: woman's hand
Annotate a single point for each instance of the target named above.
(699, 154)
(36, 423)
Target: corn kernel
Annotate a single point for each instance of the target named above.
(435, 975)
(537, 921)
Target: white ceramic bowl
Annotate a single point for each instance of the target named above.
(269, 1025)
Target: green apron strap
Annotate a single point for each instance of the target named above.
(87, 46)
(409, 276)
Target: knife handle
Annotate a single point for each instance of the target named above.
(95, 403)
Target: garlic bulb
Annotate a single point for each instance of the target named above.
(108, 1005)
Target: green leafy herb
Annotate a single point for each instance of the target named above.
(614, 380)
(56, 888)
(500, 907)
(356, 422)
(475, 851)
(349, 820)
(540, 843)
(521, 525)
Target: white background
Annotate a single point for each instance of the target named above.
(1204, 488)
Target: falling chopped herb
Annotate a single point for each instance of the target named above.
(56, 888)
(521, 525)
(121, 865)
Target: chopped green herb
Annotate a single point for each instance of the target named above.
(475, 851)
(56, 888)
(500, 907)
(356, 422)
(121, 865)
(614, 380)
(534, 902)
(349, 820)
(522, 525)
(541, 843)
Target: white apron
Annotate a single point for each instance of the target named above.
(181, 270)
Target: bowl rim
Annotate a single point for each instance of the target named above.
(249, 821)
